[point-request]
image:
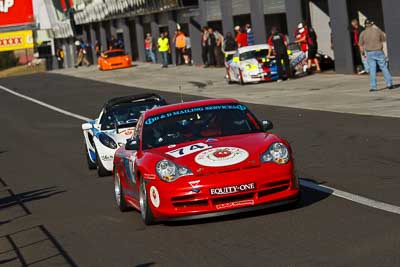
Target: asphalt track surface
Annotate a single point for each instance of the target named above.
(54, 211)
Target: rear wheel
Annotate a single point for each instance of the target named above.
(145, 210)
(101, 170)
(119, 193)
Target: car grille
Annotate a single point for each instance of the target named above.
(262, 191)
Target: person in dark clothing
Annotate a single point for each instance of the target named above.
(97, 48)
(211, 44)
(204, 48)
(277, 42)
(229, 45)
(360, 65)
(312, 49)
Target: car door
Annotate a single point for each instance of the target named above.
(129, 165)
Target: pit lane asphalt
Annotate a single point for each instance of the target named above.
(42, 163)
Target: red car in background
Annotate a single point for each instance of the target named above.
(202, 159)
(114, 59)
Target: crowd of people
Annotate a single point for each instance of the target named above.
(367, 44)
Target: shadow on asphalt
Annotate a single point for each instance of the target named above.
(21, 198)
(308, 198)
(18, 247)
(148, 264)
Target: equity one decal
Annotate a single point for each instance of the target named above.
(5, 5)
(232, 189)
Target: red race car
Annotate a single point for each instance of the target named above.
(201, 159)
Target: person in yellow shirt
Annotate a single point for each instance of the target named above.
(163, 49)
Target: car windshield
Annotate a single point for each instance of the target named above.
(114, 54)
(196, 123)
(258, 53)
(126, 114)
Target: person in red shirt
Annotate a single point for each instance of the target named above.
(301, 36)
(241, 37)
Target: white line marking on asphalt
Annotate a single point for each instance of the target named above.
(322, 188)
(63, 111)
(352, 197)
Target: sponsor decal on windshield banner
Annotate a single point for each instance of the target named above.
(174, 113)
(232, 189)
(187, 150)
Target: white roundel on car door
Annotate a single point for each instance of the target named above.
(221, 156)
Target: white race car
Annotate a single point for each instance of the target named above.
(115, 124)
(250, 64)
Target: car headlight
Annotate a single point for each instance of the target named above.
(250, 67)
(169, 171)
(107, 141)
(277, 152)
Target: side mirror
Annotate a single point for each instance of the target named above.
(87, 126)
(267, 125)
(235, 59)
(132, 144)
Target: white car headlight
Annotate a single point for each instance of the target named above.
(169, 171)
(277, 152)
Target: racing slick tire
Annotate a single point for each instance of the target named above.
(101, 170)
(145, 209)
(119, 193)
(228, 76)
(241, 82)
(91, 165)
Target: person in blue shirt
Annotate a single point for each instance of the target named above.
(250, 35)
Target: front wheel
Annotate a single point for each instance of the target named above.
(101, 170)
(91, 165)
(145, 209)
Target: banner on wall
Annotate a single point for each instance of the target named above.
(16, 40)
(16, 12)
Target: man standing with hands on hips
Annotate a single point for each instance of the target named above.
(371, 44)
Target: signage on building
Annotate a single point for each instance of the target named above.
(16, 12)
(16, 40)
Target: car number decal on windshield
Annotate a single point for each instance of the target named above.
(187, 150)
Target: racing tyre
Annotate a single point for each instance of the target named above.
(145, 209)
(119, 193)
(241, 77)
(101, 170)
(91, 165)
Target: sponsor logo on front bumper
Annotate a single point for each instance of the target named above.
(232, 189)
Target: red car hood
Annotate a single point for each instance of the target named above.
(220, 154)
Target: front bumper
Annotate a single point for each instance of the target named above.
(236, 211)
(191, 197)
